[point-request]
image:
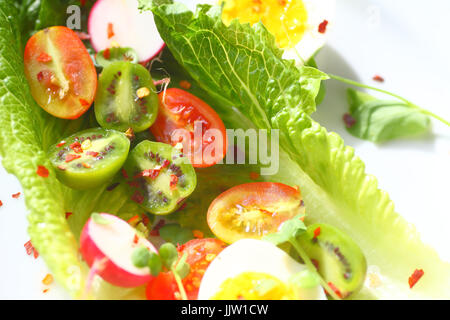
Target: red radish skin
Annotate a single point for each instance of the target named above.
(111, 271)
(132, 28)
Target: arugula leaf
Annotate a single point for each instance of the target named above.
(242, 70)
(383, 120)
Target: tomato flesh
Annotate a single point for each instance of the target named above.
(253, 210)
(60, 72)
(200, 253)
(206, 143)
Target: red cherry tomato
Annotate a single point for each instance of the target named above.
(200, 253)
(60, 72)
(253, 210)
(204, 136)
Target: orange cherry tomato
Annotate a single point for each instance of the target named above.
(204, 139)
(60, 72)
(253, 210)
(200, 253)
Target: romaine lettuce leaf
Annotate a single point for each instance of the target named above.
(241, 68)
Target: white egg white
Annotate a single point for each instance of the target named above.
(249, 255)
(313, 40)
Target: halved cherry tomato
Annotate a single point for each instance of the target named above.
(205, 142)
(253, 210)
(200, 253)
(60, 72)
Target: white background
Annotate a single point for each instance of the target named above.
(406, 42)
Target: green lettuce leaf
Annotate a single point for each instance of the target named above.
(241, 68)
(27, 132)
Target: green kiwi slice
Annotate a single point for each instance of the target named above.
(160, 177)
(338, 258)
(126, 97)
(89, 158)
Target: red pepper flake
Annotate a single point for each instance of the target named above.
(254, 175)
(110, 30)
(323, 26)
(68, 214)
(59, 145)
(1, 203)
(42, 172)
(151, 173)
(16, 195)
(335, 289)
(76, 146)
(173, 181)
(316, 232)
(84, 103)
(125, 174)
(135, 239)
(155, 230)
(92, 153)
(137, 197)
(30, 249)
(86, 165)
(48, 280)
(134, 220)
(71, 157)
(107, 54)
(44, 58)
(186, 85)
(349, 120)
(417, 274)
(45, 290)
(198, 234)
(378, 78)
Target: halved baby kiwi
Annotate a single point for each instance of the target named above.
(339, 259)
(89, 158)
(126, 97)
(160, 177)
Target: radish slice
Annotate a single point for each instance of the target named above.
(113, 241)
(121, 22)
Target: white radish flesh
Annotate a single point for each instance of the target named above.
(112, 244)
(121, 22)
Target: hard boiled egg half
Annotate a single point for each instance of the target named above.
(300, 27)
(258, 270)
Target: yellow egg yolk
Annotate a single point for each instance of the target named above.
(285, 19)
(254, 286)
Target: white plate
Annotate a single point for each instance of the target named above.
(404, 41)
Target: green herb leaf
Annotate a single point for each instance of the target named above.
(99, 219)
(182, 267)
(175, 234)
(288, 231)
(383, 120)
(169, 255)
(140, 257)
(155, 264)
